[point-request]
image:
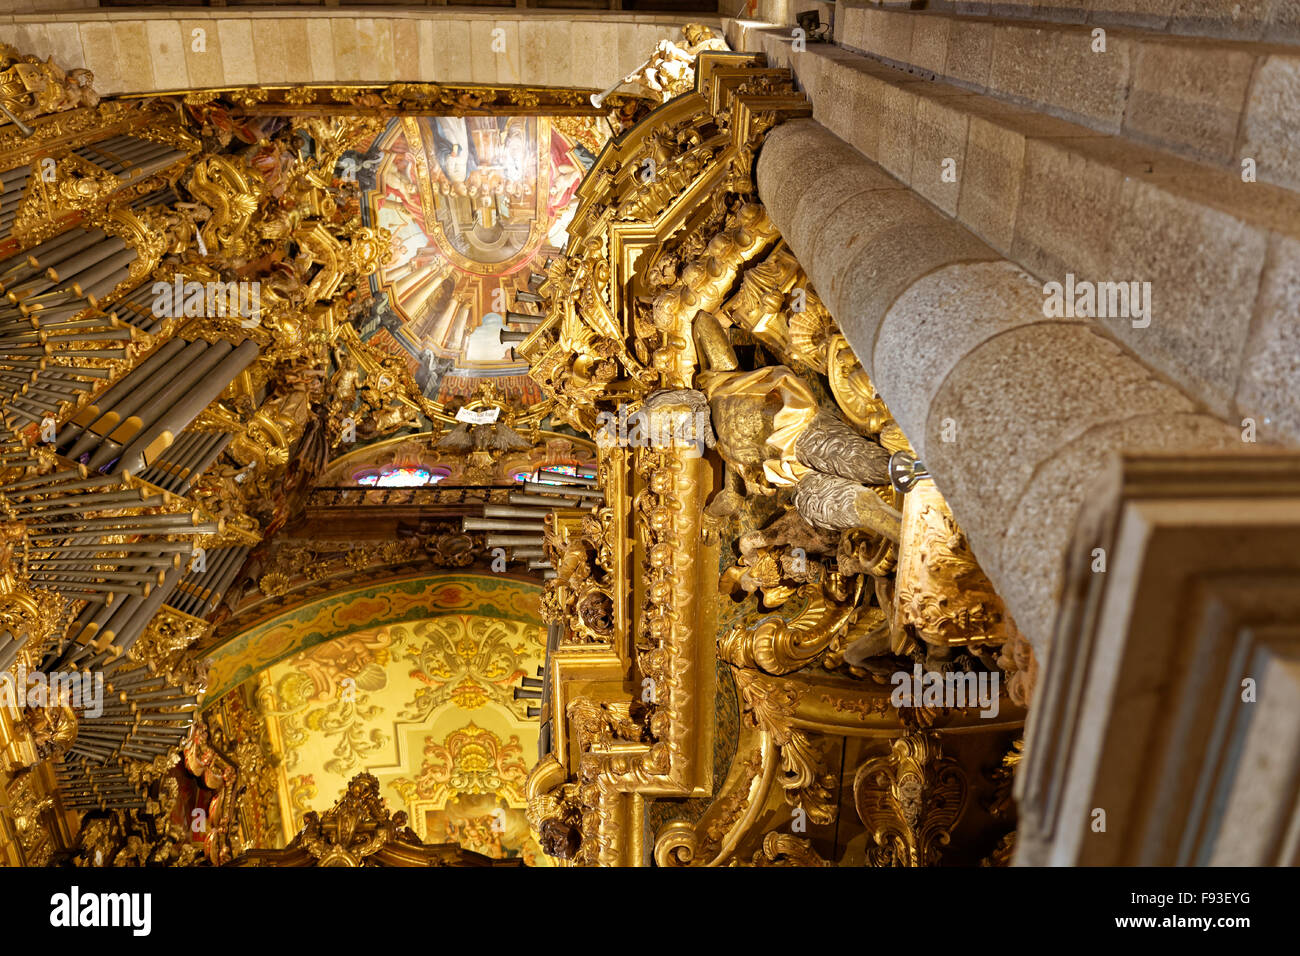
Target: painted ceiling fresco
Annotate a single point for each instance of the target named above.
(427, 707)
(474, 205)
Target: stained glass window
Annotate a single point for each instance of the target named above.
(540, 475)
(402, 476)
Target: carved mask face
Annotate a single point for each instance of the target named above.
(742, 426)
(559, 839)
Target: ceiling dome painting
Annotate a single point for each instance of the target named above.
(474, 204)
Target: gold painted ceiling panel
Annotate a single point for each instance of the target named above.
(427, 707)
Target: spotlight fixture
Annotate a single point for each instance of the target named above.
(905, 471)
(810, 22)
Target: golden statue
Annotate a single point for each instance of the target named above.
(772, 432)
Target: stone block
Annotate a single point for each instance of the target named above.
(1189, 95)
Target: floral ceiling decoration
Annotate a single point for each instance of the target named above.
(427, 707)
(289, 632)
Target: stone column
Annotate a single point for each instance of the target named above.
(1015, 414)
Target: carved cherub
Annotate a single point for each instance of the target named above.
(775, 558)
(53, 729)
(31, 87)
(670, 70)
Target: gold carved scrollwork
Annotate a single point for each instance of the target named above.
(580, 592)
(357, 827)
(233, 197)
(81, 184)
(807, 784)
(776, 645)
(784, 849)
(910, 799)
(673, 283)
(30, 810)
(853, 391)
(30, 87)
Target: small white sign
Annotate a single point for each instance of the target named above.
(485, 417)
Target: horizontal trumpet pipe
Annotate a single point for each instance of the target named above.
(152, 578)
(586, 481)
(494, 524)
(109, 550)
(171, 562)
(515, 511)
(84, 503)
(567, 490)
(93, 537)
(136, 522)
(521, 498)
(60, 481)
(513, 540)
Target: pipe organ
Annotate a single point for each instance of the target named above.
(130, 158)
(98, 453)
(14, 184)
(532, 529)
(89, 787)
(520, 526)
(186, 459)
(158, 399)
(199, 590)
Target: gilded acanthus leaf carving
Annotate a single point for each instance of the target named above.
(769, 706)
(943, 597)
(776, 645)
(910, 799)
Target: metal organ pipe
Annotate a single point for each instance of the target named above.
(147, 446)
(144, 407)
(96, 416)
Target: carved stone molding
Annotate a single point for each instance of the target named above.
(1166, 730)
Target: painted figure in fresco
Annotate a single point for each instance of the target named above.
(401, 191)
(408, 237)
(453, 149)
(566, 174)
(518, 150)
(487, 139)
